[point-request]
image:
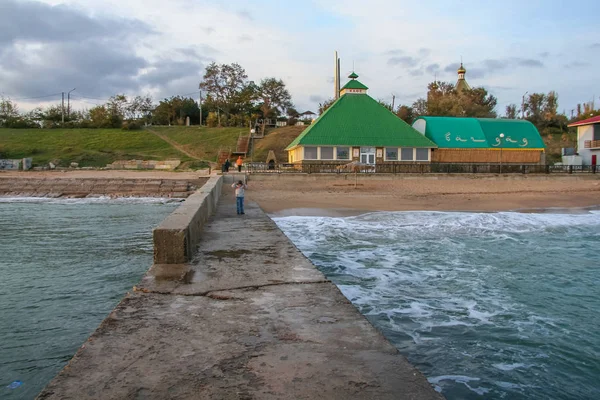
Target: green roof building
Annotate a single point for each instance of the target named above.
(482, 140)
(357, 128)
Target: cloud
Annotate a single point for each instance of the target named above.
(245, 14)
(415, 72)
(245, 38)
(577, 64)
(209, 30)
(316, 98)
(544, 54)
(393, 52)
(62, 48)
(595, 46)
(432, 68)
(404, 61)
(527, 62)
(423, 52)
(40, 22)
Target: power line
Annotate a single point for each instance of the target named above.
(36, 97)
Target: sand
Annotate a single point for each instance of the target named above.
(338, 197)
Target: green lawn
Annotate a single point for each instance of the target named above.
(98, 147)
(203, 143)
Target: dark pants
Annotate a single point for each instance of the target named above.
(239, 168)
(240, 205)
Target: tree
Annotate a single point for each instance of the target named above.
(406, 114)
(511, 111)
(325, 105)
(444, 100)
(385, 104)
(8, 111)
(274, 98)
(227, 85)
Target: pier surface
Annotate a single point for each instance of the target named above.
(253, 319)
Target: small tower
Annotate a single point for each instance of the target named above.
(353, 86)
(462, 84)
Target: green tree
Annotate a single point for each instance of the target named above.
(274, 98)
(406, 114)
(227, 84)
(325, 105)
(9, 111)
(511, 111)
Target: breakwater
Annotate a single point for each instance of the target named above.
(251, 318)
(57, 187)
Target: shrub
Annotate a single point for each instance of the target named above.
(132, 126)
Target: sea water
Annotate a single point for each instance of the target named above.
(64, 265)
(487, 305)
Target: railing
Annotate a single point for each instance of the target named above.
(591, 144)
(425, 168)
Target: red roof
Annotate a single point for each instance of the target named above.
(589, 121)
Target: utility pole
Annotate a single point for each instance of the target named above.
(69, 103)
(523, 106)
(62, 109)
(200, 104)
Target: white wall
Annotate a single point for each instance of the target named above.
(584, 133)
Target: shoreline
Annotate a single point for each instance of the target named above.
(308, 197)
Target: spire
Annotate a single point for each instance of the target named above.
(462, 84)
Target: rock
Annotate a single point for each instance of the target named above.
(52, 166)
(74, 165)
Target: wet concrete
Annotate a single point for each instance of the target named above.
(251, 319)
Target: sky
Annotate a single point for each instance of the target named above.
(161, 48)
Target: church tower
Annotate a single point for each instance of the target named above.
(462, 84)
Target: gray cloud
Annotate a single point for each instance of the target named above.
(432, 68)
(95, 54)
(424, 52)
(595, 46)
(316, 98)
(529, 63)
(415, 72)
(544, 54)
(209, 30)
(404, 61)
(39, 22)
(393, 52)
(490, 66)
(245, 14)
(577, 64)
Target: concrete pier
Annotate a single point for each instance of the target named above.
(251, 319)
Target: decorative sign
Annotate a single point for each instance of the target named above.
(356, 152)
(379, 153)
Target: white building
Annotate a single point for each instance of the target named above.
(588, 140)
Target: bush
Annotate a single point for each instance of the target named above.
(132, 126)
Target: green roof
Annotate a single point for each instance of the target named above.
(353, 84)
(353, 75)
(479, 133)
(359, 120)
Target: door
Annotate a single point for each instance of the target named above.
(367, 155)
(594, 159)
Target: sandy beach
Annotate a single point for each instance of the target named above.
(338, 197)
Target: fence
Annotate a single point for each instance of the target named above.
(439, 168)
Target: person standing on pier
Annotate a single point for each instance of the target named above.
(239, 187)
(239, 163)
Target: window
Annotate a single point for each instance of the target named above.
(422, 154)
(596, 132)
(407, 154)
(391, 154)
(343, 153)
(310, 153)
(326, 153)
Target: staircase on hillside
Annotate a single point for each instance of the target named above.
(243, 145)
(223, 155)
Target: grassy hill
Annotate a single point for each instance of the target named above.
(277, 140)
(98, 147)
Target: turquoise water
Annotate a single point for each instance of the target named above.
(486, 305)
(64, 265)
